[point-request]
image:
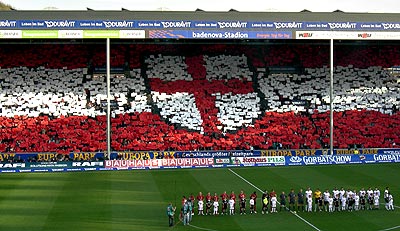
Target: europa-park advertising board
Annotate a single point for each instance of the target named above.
(208, 162)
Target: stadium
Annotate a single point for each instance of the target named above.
(106, 117)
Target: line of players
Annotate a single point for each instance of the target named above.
(337, 200)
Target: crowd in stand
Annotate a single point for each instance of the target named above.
(205, 100)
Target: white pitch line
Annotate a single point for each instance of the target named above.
(393, 205)
(196, 227)
(193, 226)
(248, 182)
(396, 227)
(171, 228)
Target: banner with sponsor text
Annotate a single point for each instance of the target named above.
(159, 163)
(147, 155)
(64, 166)
(194, 24)
(72, 34)
(217, 162)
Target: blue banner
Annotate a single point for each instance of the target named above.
(220, 34)
(147, 155)
(216, 162)
(243, 26)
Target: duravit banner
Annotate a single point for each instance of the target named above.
(190, 24)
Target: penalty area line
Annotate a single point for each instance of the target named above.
(393, 228)
(248, 182)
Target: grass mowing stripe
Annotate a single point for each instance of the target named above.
(262, 192)
(83, 204)
(136, 202)
(31, 198)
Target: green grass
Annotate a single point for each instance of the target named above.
(137, 200)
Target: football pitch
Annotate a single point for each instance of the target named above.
(137, 199)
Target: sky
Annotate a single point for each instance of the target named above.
(376, 6)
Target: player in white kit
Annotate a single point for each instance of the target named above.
(251, 203)
(309, 203)
(201, 207)
(326, 195)
(231, 206)
(330, 204)
(273, 205)
(356, 202)
(343, 203)
(215, 204)
(376, 201)
(390, 202)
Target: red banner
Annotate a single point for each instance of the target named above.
(182, 162)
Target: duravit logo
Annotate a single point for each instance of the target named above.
(288, 25)
(118, 24)
(65, 23)
(387, 26)
(237, 24)
(342, 25)
(179, 24)
(7, 23)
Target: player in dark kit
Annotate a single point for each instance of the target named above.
(336, 202)
(282, 201)
(254, 197)
(192, 199)
(242, 201)
(224, 198)
(320, 204)
(292, 200)
(362, 203)
(209, 204)
(350, 203)
(300, 200)
(370, 202)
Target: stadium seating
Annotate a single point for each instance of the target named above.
(46, 55)
(354, 88)
(210, 99)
